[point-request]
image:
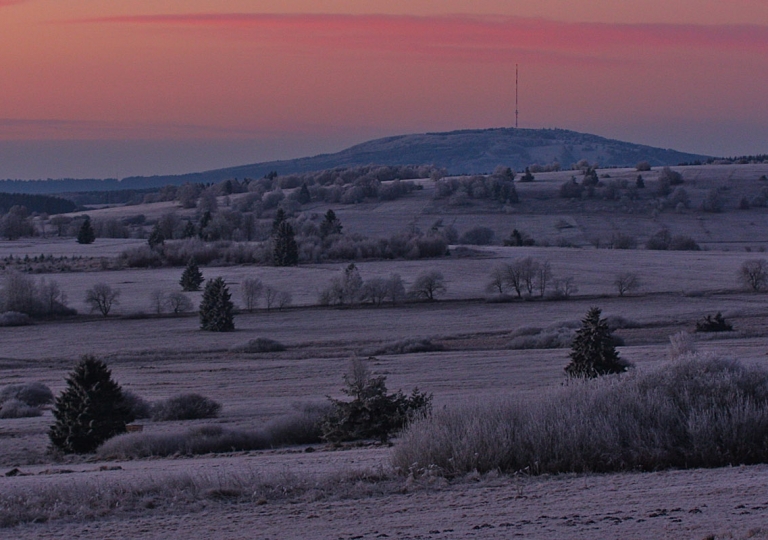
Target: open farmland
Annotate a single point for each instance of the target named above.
(353, 492)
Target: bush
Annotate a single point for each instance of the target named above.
(643, 166)
(557, 336)
(372, 413)
(695, 412)
(13, 408)
(406, 346)
(714, 324)
(200, 440)
(138, 406)
(90, 410)
(680, 345)
(259, 345)
(14, 318)
(33, 394)
(304, 426)
(185, 407)
(479, 236)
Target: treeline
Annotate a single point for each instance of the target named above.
(42, 204)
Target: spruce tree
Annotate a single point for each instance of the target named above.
(86, 235)
(217, 307)
(304, 195)
(90, 410)
(285, 251)
(330, 224)
(156, 237)
(280, 217)
(191, 278)
(593, 352)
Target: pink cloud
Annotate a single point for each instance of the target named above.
(459, 37)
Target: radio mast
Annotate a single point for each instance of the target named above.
(517, 112)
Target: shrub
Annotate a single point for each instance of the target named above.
(34, 394)
(643, 166)
(372, 413)
(90, 410)
(259, 345)
(557, 336)
(406, 346)
(13, 408)
(216, 308)
(303, 426)
(695, 412)
(674, 178)
(593, 352)
(14, 318)
(185, 407)
(680, 345)
(138, 406)
(623, 241)
(478, 236)
(714, 324)
(200, 440)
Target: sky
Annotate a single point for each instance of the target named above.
(90, 88)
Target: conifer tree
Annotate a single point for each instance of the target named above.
(217, 307)
(330, 224)
(191, 278)
(280, 217)
(86, 235)
(285, 251)
(304, 195)
(156, 237)
(593, 352)
(90, 410)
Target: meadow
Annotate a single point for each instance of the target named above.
(355, 490)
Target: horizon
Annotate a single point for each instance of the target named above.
(97, 90)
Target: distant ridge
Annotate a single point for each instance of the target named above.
(461, 152)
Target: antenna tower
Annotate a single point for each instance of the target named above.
(517, 112)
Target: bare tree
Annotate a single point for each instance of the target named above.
(395, 288)
(374, 291)
(177, 302)
(521, 275)
(566, 287)
(157, 301)
(284, 299)
(498, 280)
(51, 295)
(753, 274)
(270, 296)
(543, 277)
(428, 285)
(251, 290)
(101, 297)
(626, 282)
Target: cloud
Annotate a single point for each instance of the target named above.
(458, 37)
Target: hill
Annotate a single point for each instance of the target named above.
(465, 151)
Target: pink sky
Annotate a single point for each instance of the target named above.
(94, 88)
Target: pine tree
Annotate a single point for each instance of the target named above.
(593, 352)
(90, 410)
(285, 251)
(217, 307)
(86, 235)
(191, 278)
